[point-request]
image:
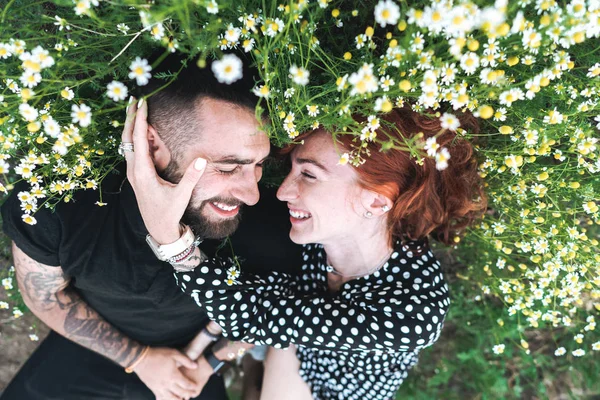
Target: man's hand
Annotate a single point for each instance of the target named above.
(160, 371)
(199, 375)
(161, 203)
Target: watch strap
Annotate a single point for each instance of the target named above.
(214, 362)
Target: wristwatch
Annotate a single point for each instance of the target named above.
(166, 251)
(214, 362)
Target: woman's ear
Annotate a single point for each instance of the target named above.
(161, 155)
(375, 204)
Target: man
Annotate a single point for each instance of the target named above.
(88, 273)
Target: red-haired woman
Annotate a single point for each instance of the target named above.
(372, 294)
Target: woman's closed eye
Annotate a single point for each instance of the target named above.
(308, 175)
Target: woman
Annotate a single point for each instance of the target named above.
(371, 295)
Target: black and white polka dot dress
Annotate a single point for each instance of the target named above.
(357, 343)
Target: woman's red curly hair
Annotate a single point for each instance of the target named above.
(427, 202)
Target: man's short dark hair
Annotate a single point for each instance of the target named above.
(172, 110)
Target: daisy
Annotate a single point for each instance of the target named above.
(431, 146)
(82, 7)
(450, 122)
(212, 7)
(30, 79)
(313, 110)
(561, 351)
(27, 112)
(510, 96)
(123, 28)
(157, 31)
(51, 127)
(275, 26)
(299, 75)
(387, 13)
(232, 34)
(363, 81)
(67, 93)
(28, 219)
(6, 50)
(116, 91)
(498, 349)
(228, 69)
(386, 82)
(262, 91)
(81, 114)
(140, 71)
(469, 62)
(441, 159)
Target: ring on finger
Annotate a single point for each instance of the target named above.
(125, 146)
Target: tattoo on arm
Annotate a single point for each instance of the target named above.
(47, 292)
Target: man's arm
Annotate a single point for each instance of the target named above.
(45, 290)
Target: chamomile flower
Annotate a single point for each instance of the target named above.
(508, 97)
(561, 351)
(498, 349)
(431, 146)
(262, 91)
(81, 114)
(140, 71)
(450, 122)
(212, 7)
(30, 79)
(299, 75)
(363, 81)
(386, 82)
(553, 117)
(441, 159)
(469, 62)
(313, 110)
(6, 50)
(67, 93)
(28, 112)
(82, 7)
(387, 13)
(123, 28)
(232, 34)
(157, 31)
(228, 69)
(30, 220)
(273, 27)
(593, 71)
(52, 128)
(116, 91)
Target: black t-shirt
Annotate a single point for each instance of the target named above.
(103, 250)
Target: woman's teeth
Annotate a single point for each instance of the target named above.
(299, 214)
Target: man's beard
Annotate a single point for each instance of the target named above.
(193, 217)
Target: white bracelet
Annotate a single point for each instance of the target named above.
(167, 251)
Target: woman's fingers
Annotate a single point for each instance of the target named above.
(144, 167)
(127, 135)
(190, 179)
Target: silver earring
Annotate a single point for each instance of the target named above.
(368, 214)
(385, 209)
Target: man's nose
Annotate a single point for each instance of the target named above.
(246, 189)
(287, 191)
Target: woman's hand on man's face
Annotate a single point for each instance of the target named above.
(161, 203)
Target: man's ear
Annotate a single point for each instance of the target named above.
(161, 156)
